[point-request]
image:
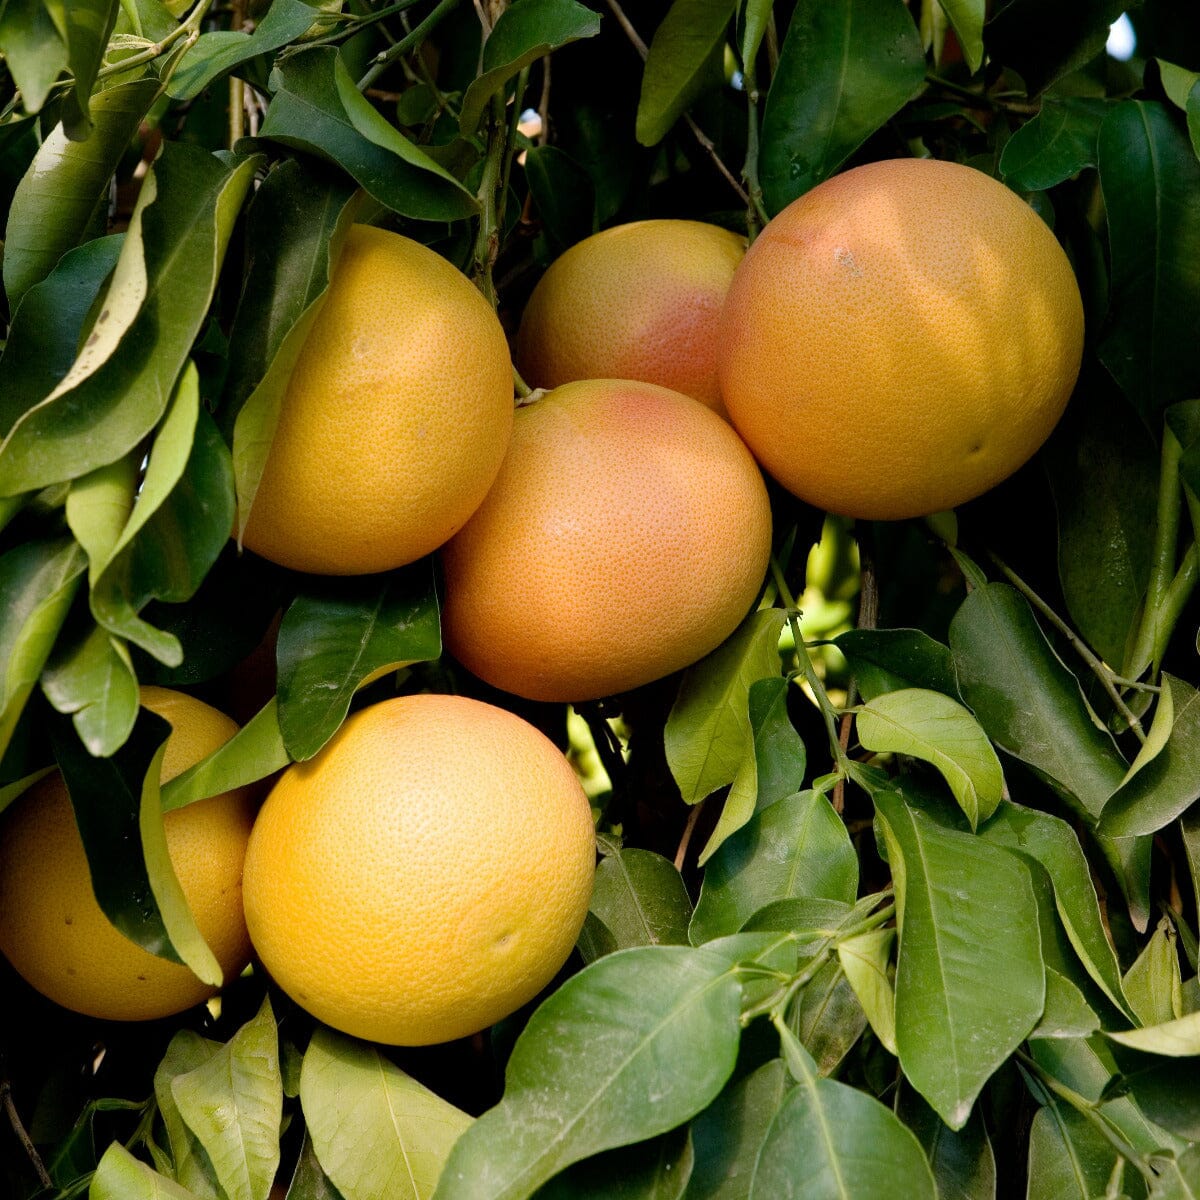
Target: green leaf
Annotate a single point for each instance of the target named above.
(1169, 783)
(864, 959)
(1168, 1092)
(641, 899)
(525, 31)
(970, 983)
(1052, 843)
(253, 753)
(337, 635)
(827, 1017)
(120, 1176)
(1103, 471)
(191, 1165)
(33, 49)
(233, 1103)
(1058, 142)
(66, 185)
(961, 1160)
(1177, 1177)
(316, 108)
(38, 581)
(47, 328)
(708, 730)
(1152, 984)
(86, 26)
(886, 660)
(1178, 1038)
(1069, 1159)
(309, 1182)
(683, 60)
(296, 225)
(563, 194)
(92, 679)
(376, 1130)
(188, 204)
(966, 16)
(1151, 183)
(119, 813)
(829, 1141)
(215, 54)
(846, 66)
(655, 1170)
(632, 1046)
(755, 17)
(729, 1133)
(936, 729)
(1067, 1012)
(798, 847)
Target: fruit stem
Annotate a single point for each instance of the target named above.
(522, 389)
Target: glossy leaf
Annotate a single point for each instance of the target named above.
(1167, 1090)
(970, 983)
(1069, 1159)
(67, 183)
(33, 48)
(864, 959)
(641, 899)
(886, 660)
(832, 1142)
(86, 25)
(316, 108)
(1055, 144)
(729, 1133)
(932, 727)
(376, 1130)
(961, 1160)
(191, 1165)
(563, 194)
(966, 16)
(253, 753)
(708, 730)
(655, 1170)
(93, 680)
(296, 226)
(188, 204)
(607, 1060)
(827, 1017)
(845, 67)
(233, 1103)
(214, 54)
(797, 847)
(1151, 182)
(1170, 782)
(337, 635)
(120, 1176)
(525, 31)
(684, 56)
(38, 581)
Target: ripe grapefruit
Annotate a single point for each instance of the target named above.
(626, 537)
(395, 420)
(55, 934)
(900, 339)
(638, 301)
(425, 874)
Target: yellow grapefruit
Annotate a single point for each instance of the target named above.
(425, 874)
(55, 934)
(396, 418)
(626, 537)
(900, 339)
(638, 301)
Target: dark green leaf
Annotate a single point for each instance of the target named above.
(846, 66)
(93, 680)
(525, 31)
(932, 727)
(38, 581)
(970, 983)
(684, 59)
(309, 1182)
(1168, 1092)
(729, 1133)
(798, 847)
(233, 1103)
(885, 660)
(1067, 1012)
(1169, 783)
(832, 1142)
(779, 754)
(962, 1160)
(827, 1017)
(564, 195)
(338, 635)
(1069, 1159)
(60, 193)
(317, 108)
(87, 25)
(655, 1170)
(641, 899)
(1151, 183)
(119, 814)
(187, 207)
(609, 1059)
(1057, 143)
(33, 49)
(215, 54)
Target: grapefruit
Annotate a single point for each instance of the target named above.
(900, 339)
(425, 874)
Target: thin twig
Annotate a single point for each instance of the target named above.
(688, 830)
(385, 58)
(186, 29)
(237, 94)
(543, 134)
(14, 1119)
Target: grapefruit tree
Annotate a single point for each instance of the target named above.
(802, 800)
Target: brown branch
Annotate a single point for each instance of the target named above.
(688, 830)
(14, 1119)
